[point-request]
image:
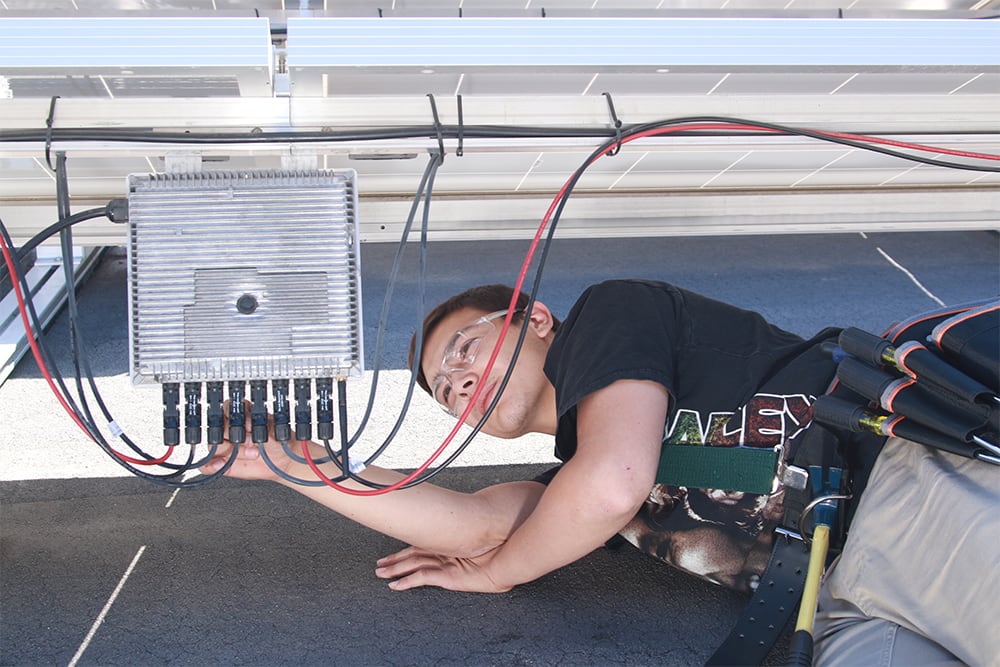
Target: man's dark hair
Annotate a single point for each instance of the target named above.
(487, 298)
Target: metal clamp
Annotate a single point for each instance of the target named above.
(437, 128)
(812, 505)
(793, 476)
(616, 123)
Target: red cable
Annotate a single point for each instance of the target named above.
(917, 147)
(534, 246)
(22, 308)
(37, 354)
(517, 287)
(506, 323)
(144, 462)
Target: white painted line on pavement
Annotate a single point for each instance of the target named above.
(172, 496)
(107, 608)
(910, 275)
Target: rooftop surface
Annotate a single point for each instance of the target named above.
(97, 567)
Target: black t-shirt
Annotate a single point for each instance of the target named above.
(734, 380)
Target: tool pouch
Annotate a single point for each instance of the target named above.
(933, 381)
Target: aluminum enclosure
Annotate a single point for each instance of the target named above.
(243, 275)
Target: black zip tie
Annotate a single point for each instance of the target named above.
(617, 123)
(437, 127)
(48, 131)
(380, 12)
(461, 127)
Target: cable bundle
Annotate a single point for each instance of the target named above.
(943, 394)
(619, 135)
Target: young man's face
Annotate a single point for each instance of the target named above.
(456, 354)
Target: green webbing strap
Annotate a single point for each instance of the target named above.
(746, 469)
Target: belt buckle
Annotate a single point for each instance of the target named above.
(789, 534)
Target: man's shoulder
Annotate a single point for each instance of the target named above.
(621, 302)
(629, 284)
(625, 291)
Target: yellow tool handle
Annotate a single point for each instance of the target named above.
(817, 562)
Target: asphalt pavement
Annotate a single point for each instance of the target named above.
(101, 568)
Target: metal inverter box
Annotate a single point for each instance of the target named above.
(243, 275)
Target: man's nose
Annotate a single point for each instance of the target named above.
(465, 384)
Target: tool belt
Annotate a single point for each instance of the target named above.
(933, 379)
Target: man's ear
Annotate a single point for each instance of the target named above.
(540, 319)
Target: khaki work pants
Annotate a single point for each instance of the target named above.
(918, 582)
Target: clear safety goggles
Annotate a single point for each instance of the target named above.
(459, 355)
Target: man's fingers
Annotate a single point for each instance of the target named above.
(418, 579)
(247, 452)
(413, 568)
(408, 566)
(402, 554)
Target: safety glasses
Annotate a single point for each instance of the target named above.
(459, 356)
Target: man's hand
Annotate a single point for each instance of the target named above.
(249, 463)
(413, 567)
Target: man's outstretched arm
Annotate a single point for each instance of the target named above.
(428, 516)
(620, 431)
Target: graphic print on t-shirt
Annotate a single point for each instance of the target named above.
(767, 420)
(719, 535)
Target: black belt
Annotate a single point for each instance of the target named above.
(771, 606)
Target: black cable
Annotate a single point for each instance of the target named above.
(37, 329)
(66, 246)
(22, 252)
(571, 184)
(418, 344)
(301, 459)
(436, 161)
(446, 131)
(439, 132)
(418, 347)
(405, 132)
(84, 414)
(423, 193)
(426, 182)
(81, 362)
(92, 430)
(616, 141)
(387, 300)
(345, 461)
(821, 136)
(284, 475)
